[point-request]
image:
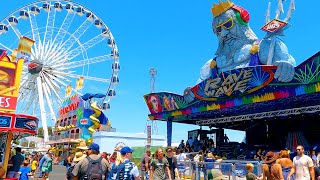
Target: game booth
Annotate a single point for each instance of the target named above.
(251, 85)
(13, 126)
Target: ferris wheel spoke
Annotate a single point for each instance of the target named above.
(86, 77)
(45, 90)
(15, 30)
(84, 62)
(75, 36)
(52, 86)
(61, 56)
(42, 109)
(7, 48)
(31, 99)
(50, 25)
(64, 28)
(87, 45)
(55, 77)
(34, 30)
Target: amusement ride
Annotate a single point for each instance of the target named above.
(73, 51)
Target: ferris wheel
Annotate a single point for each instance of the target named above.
(71, 43)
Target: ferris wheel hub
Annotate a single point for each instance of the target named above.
(35, 67)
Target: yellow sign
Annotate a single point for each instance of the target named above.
(10, 74)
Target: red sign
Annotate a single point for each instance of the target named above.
(84, 121)
(71, 107)
(274, 25)
(8, 103)
(18, 123)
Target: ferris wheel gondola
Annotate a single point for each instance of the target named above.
(66, 49)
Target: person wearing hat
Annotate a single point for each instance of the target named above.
(78, 157)
(81, 169)
(215, 174)
(271, 170)
(131, 170)
(302, 166)
(124, 168)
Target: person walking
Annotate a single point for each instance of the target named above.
(92, 167)
(16, 162)
(45, 165)
(181, 145)
(159, 166)
(271, 170)
(25, 171)
(173, 165)
(286, 163)
(145, 165)
(302, 166)
(226, 138)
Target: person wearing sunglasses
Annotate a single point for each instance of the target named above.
(239, 47)
(302, 166)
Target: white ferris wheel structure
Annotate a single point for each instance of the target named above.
(71, 42)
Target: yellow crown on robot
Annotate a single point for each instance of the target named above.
(221, 8)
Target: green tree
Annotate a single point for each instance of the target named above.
(40, 132)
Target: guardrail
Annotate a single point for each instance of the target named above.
(232, 169)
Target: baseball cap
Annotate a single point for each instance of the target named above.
(126, 150)
(94, 147)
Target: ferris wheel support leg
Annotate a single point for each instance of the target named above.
(42, 110)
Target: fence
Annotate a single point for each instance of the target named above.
(232, 169)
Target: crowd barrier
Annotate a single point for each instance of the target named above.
(232, 169)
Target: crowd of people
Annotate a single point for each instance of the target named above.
(169, 163)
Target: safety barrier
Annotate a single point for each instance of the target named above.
(232, 169)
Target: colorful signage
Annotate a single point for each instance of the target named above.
(273, 26)
(10, 74)
(235, 82)
(18, 123)
(243, 90)
(69, 105)
(149, 134)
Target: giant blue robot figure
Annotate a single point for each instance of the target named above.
(239, 46)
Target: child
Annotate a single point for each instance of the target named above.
(34, 165)
(24, 171)
(250, 175)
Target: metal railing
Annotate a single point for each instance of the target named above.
(232, 169)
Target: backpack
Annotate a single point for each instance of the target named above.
(94, 171)
(65, 162)
(121, 171)
(69, 172)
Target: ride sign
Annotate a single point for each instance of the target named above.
(273, 26)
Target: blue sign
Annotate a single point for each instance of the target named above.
(26, 123)
(5, 121)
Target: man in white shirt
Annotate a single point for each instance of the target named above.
(302, 166)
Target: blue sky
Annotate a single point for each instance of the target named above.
(176, 38)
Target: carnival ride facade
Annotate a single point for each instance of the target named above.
(72, 45)
(13, 125)
(250, 85)
(78, 118)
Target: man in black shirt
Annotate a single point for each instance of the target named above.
(172, 163)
